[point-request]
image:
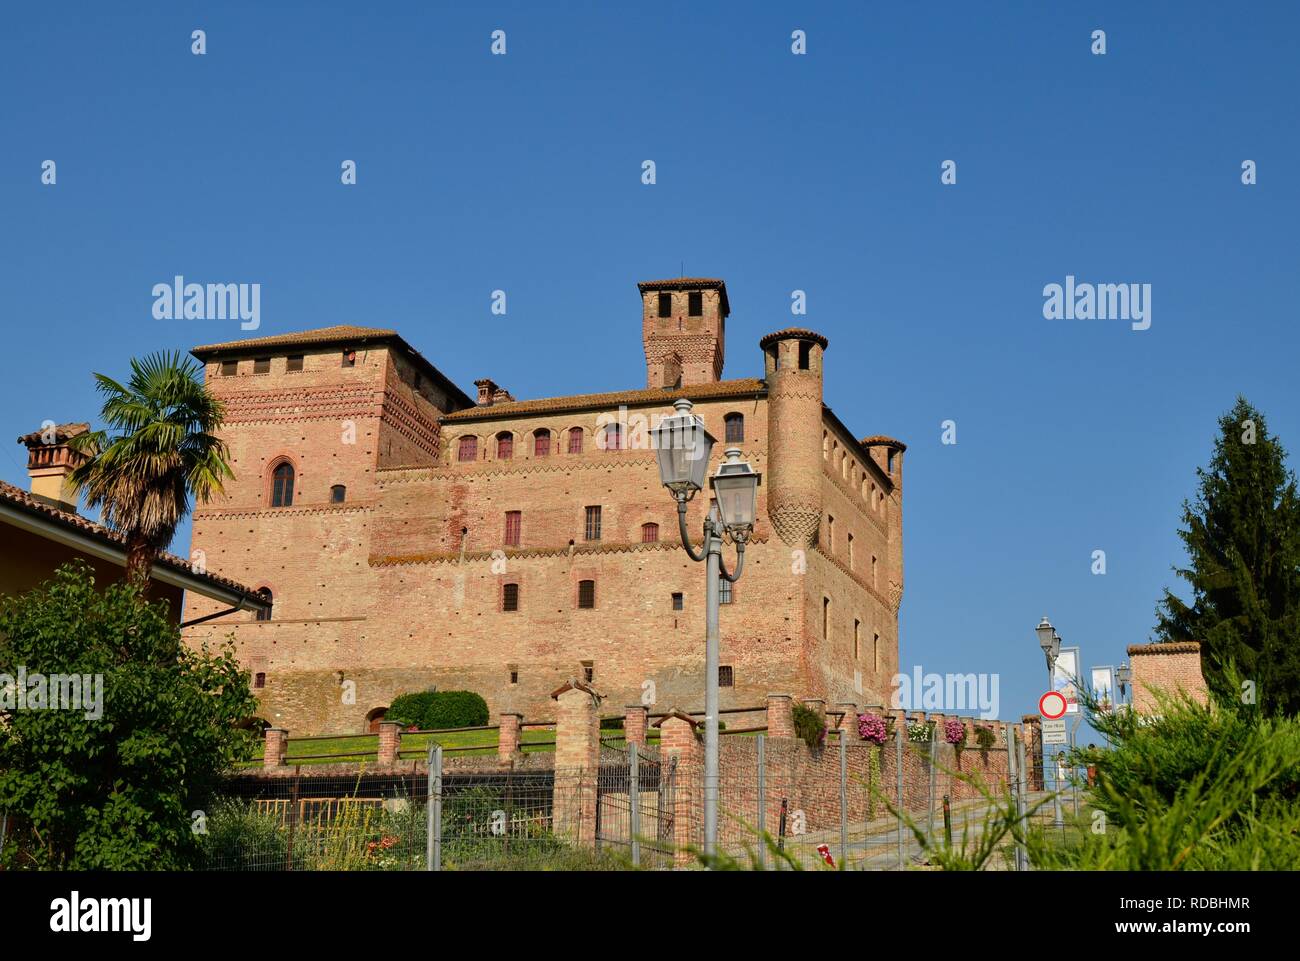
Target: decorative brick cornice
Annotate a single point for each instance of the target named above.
(584, 550)
(853, 575)
(220, 513)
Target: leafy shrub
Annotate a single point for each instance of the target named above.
(985, 737)
(809, 725)
(433, 710)
(113, 792)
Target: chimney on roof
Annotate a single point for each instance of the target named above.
(50, 462)
(489, 392)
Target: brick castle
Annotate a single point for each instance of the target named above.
(412, 536)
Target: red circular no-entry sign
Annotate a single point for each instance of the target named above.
(1052, 705)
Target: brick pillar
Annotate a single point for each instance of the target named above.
(577, 757)
(390, 740)
(277, 745)
(508, 737)
(1033, 733)
(677, 740)
(634, 723)
(849, 722)
(780, 715)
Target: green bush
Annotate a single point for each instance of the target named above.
(113, 788)
(809, 725)
(433, 710)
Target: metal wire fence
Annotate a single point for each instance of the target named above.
(849, 804)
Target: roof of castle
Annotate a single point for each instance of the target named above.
(747, 387)
(61, 433)
(793, 333)
(343, 335)
(17, 498)
(689, 283)
(880, 440)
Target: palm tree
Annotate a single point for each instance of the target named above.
(159, 449)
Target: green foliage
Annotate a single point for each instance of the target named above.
(116, 792)
(161, 448)
(434, 710)
(984, 737)
(1242, 535)
(809, 725)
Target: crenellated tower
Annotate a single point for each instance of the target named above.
(793, 369)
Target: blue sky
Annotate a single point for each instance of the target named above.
(775, 172)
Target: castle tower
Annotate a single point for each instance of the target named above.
(793, 369)
(683, 328)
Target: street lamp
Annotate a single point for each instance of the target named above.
(1050, 642)
(682, 448)
(1124, 675)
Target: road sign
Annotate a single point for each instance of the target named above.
(1052, 705)
(1054, 731)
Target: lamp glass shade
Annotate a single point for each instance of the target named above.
(737, 500)
(1046, 637)
(682, 449)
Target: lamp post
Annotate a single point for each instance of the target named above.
(1124, 675)
(682, 448)
(1050, 642)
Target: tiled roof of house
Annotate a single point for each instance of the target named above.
(61, 433)
(21, 499)
(746, 387)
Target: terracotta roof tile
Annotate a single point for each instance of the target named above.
(627, 398)
(343, 335)
(61, 433)
(880, 440)
(320, 335)
(791, 333)
(1172, 647)
(17, 497)
(690, 283)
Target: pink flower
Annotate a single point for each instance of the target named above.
(954, 731)
(871, 727)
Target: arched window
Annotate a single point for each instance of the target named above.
(586, 594)
(505, 445)
(735, 432)
(613, 435)
(338, 494)
(373, 719)
(467, 451)
(575, 440)
(282, 485)
(266, 614)
(649, 533)
(542, 443)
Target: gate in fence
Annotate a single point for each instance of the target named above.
(635, 803)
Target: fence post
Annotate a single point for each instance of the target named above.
(1022, 807)
(276, 744)
(577, 762)
(433, 811)
(934, 743)
(844, 797)
(635, 719)
(762, 799)
(390, 740)
(1014, 784)
(634, 799)
(679, 745)
(899, 734)
(510, 732)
